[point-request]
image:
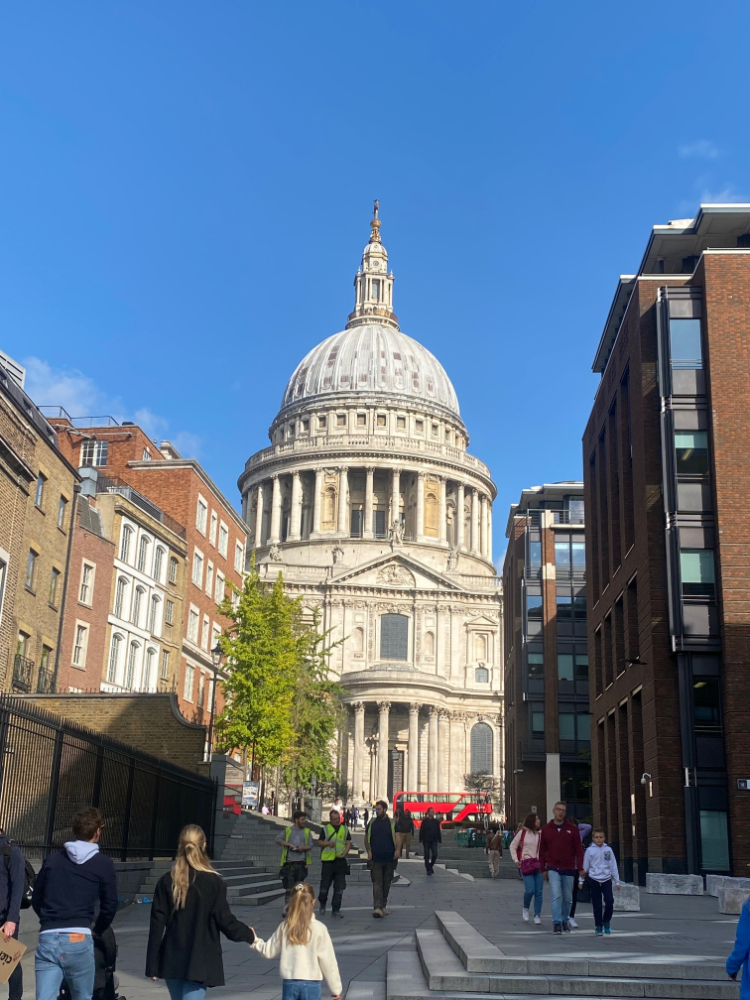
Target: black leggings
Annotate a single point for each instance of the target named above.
(602, 891)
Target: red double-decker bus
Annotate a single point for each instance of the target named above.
(449, 806)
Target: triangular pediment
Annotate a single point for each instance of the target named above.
(482, 621)
(396, 571)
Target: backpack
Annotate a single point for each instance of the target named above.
(29, 878)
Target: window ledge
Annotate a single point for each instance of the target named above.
(40, 509)
(30, 590)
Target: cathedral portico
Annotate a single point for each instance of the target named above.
(369, 504)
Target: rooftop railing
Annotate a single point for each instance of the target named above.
(111, 484)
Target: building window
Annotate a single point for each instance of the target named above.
(697, 572)
(31, 569)
(114, 658)
(204, 633)
(44, 679)
(401, 423)
(40, 484)
(130, 672)
(219, 594)
(53, 583)
(361, 420)
(239, 557)
(61, 509)
(482, 675)
(537, 721)
(193, 619)
(381, 420)
(148, 670)
(85, 594)
(707, 705)
(533, 607)
(378, 523)
(322, 421)
(575, 726)
(481, 748)
(140, 593)
(201, 515)
(714, 840)
(535, 555)
(120, 597)
(153, 617)
(146, 455)
(341, 420)
(355, 523)
(685, 343)
(213, 527)
(419, 426)
(169, 613)
(94, 453)
(394, 637)
(570, 555)
(480, 647)
(375, 289)
(201, 690)
(209, 578)
(197, 569)
(158, 562)
(164, 664)
(187, 691)
(691, 448)
(173, 570)
(143, 550)
(125, 541)
(4, 559)
(435, 430)
(535, 663)
(79, 646)
(223, 539)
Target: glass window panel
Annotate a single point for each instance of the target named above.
(707, 703)
(564, 607)
(536, 664)
(562, 555)
(535, 555)
(565, 666)
(582, 667)
(567, 726)
(578, 550)
(697, 571)
(579, 606)
(534, 606)
(691, 449)
(537, 723)
(685, 338)
(714, 840)
(394, 637)
(583, 729)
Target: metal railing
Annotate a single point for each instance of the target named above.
(111, 484)
(567, 517)
(50, 769)
(45, 682)
(23, 671)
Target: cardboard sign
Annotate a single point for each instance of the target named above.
(11, 953)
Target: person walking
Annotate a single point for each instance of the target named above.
(189, 910)
(12, 885)
(584, 830)
(67, 889)
(740, 957)
(600, 866)
(429, 837)
(307, 955)
(524, 850)
(296, 847)
(383, 845)
(366, 817)
(336, 842)
(561, 861)
(405, 826)
(494, 851)
(355, 818)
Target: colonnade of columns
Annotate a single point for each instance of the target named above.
(474, 537)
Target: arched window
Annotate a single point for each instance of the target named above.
(394, 637)
(158, 562)
(127, 537)
(130, 672)
(153, 617)
(481, 748)
(143, 550)
(431, 514)
(148, 670)
(482, 675)
(114, 658)
(480, 647)
(140, 593)
(429, 644)
(120, 592)
(358, 640)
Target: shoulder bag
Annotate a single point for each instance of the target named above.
(528, 865)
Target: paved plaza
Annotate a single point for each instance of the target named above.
(669, 928)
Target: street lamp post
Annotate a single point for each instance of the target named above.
(216, 654)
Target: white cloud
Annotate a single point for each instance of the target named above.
(701, 149)
(726, 194)
(80, 396)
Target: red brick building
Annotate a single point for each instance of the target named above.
(667, 487)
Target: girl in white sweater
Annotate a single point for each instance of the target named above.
(306, 950)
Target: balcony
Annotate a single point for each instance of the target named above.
(568, 517)
(23, 670)
(111, 484)
(45, 682)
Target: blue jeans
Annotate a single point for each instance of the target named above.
(58, 958)
(561, 895)
(533, 888)
(301, 989)
(185, 989)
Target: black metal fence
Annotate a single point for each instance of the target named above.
(50, 769)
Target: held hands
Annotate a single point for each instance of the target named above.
(546, 876)
(619, 888)
(8, 929)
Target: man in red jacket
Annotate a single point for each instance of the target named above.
(561, 860)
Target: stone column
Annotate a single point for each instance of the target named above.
(275, 535)
(489, 530)
(359, 750)
(317, 502)
(367, 513)
(420, 506)
(443, 766)
(295, 519)
(384, 708)
(432, 752)
(474, 546)
(343, 527)
(395, 496)
(259, 516)
(460, 516)
(413, 762)
(483, 526)
(443, 527)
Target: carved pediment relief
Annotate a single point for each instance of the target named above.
(395, 575)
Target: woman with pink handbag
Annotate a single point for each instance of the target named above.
(525, 852)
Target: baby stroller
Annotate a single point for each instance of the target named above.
(105, 959)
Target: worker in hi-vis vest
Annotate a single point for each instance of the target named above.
(383, 846)
(336, 842)
(296, 847)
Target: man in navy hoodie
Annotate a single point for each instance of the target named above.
(12, 878)
(65, 895)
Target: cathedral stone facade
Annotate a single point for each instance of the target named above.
(369, 503)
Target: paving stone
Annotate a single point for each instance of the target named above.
(674, 885)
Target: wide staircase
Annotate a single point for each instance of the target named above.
(455, 960)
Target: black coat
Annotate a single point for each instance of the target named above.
(429, 831)
(185, 944)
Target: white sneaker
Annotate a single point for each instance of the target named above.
(525, 914)
(572, 922)
(537, 919)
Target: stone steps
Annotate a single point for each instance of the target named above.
(454, 961)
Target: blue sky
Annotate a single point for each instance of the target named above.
(186, 189)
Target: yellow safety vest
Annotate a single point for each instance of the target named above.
(331, 853)
(286, 849)
(367, 833)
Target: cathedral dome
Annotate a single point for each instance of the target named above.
(371, 358)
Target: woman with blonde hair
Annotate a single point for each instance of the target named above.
(306, 949)
(189, 910)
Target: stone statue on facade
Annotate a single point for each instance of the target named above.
(274, 553)
(396, 533)
(452, 559)
(338, 554)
